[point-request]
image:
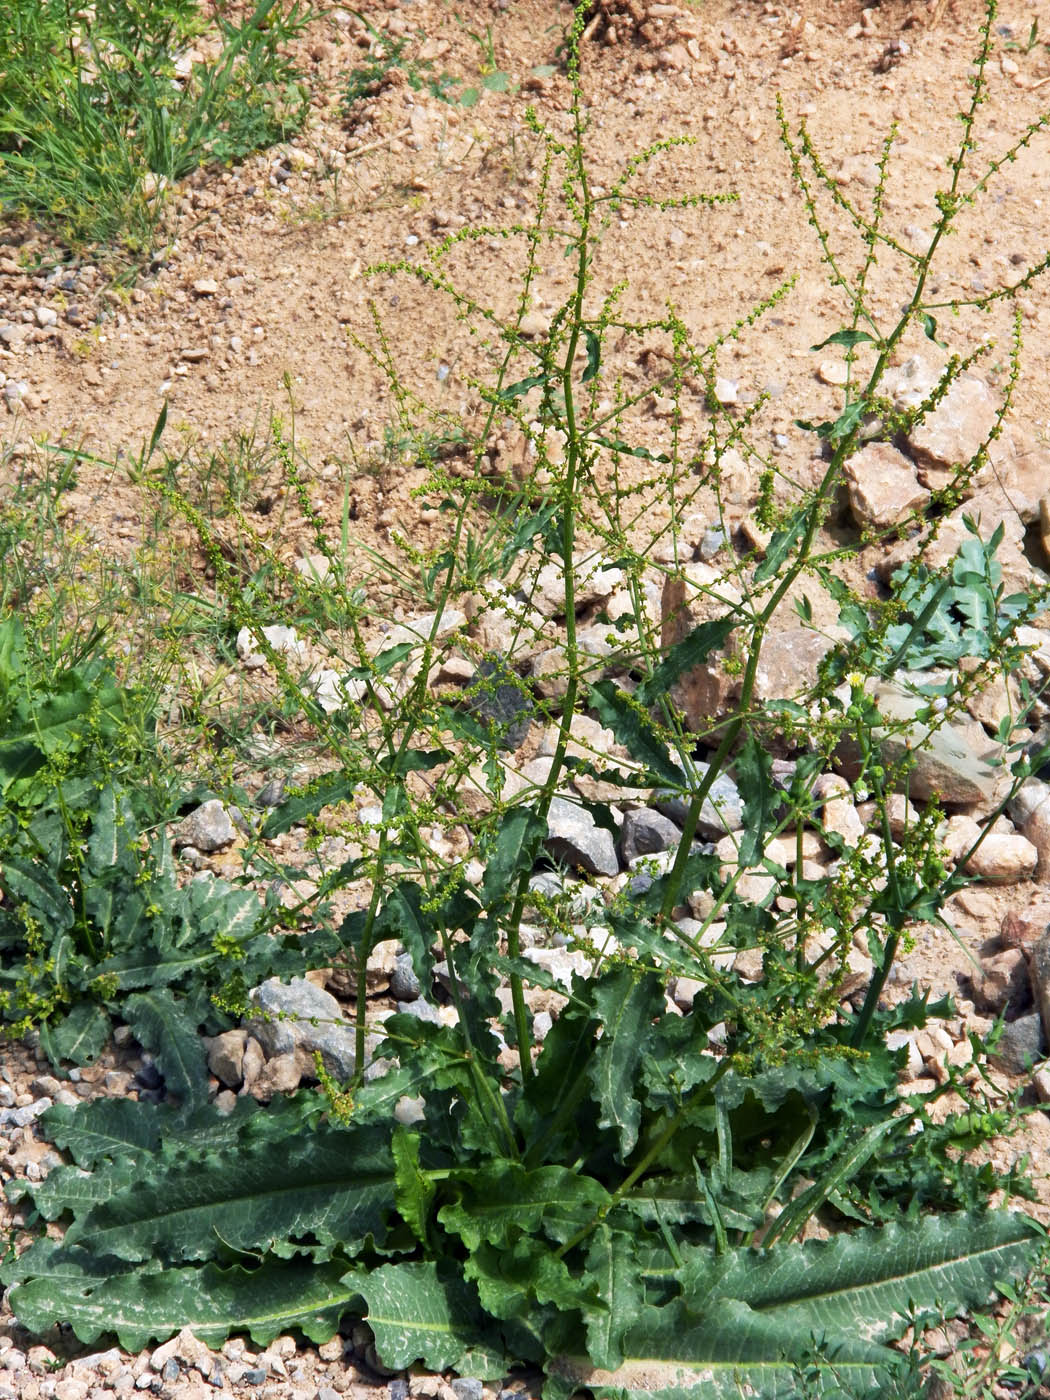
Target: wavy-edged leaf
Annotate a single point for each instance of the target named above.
(732, 1352)
(873, 1282)
(323, 792)
(414, 1189)
(499, 1202)
(78, 1038)
(73, 1189)
(750, 1317)
(633, 728)
(31, 882)
(322, 1189)
(695, 647)
(612, 1265)
(102, 1128)
(847, 338)
(781, 545)
(627, 1003)
(521, 834)
(168, 1031)
(139, 1307)
(754, 776)
(419, 1314)
(513, 1279)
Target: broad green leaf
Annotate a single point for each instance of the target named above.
(612, 1266)
(78, 1038)
(847, 421)
(521, 387)
(71, 1189)
(413, 1189)
(104, 845)
(102, 1128)
(754, 776)
(217, 908)
(404, 916)
(521, 835)
(929, 325)
(385, 661)
(165, 1028)
(417, 1314)
(325, 1188)
(33, 883)
(498, 1203)
(734, 1351)
(12, 653)
(512, 1279)
(628, 1003)
(871, 1283)
(412, 761)
(528, 526)
(643, 453)
(139, 1307)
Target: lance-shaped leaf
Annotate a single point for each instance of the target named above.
(871, 1283)
(754, 775)
(520, 837)
(732, 1352)
(141, 1306)
(633, 728)
(627, 1004)
(612, 1265)
(748, 1318)
(316, 1191)
(323, 792)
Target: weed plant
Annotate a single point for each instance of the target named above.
(734, 1199)
(103, 110)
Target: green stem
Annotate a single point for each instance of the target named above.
(567, 488)
(643, 1165)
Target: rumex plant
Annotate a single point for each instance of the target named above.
(722, 1197)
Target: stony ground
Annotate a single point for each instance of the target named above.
(256, 309)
